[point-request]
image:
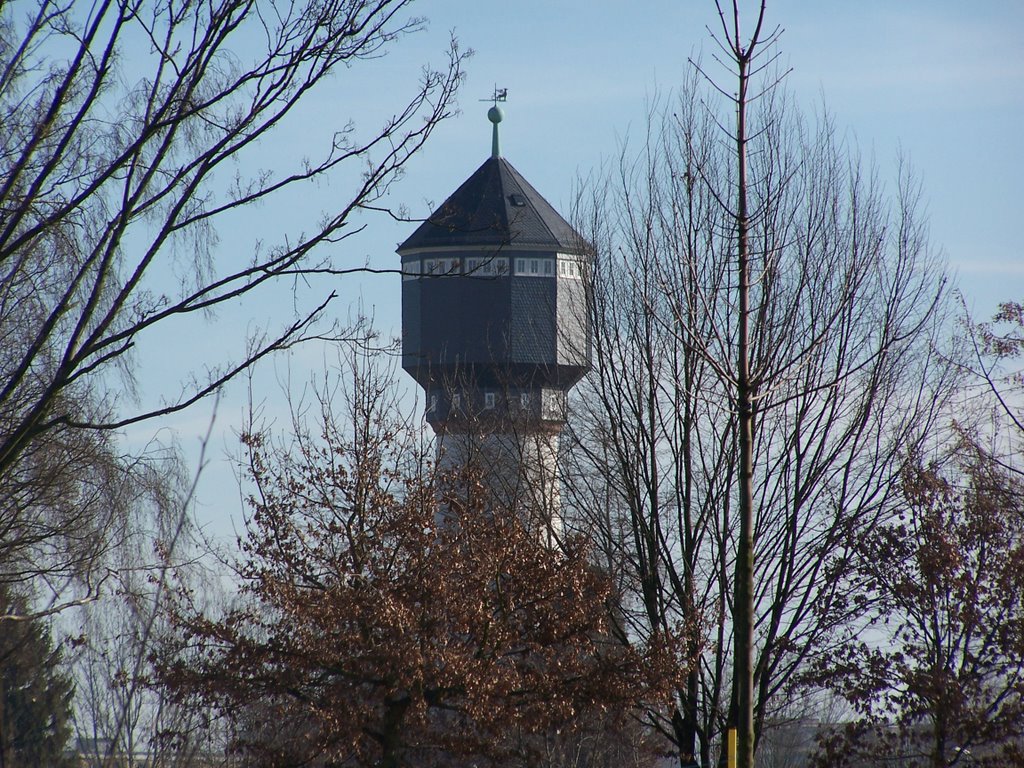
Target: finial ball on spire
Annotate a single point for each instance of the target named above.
(495, 115)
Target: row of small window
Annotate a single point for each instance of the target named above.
(490, 400)
(493, 267)
(552, 403)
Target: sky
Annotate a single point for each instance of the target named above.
(938, 82)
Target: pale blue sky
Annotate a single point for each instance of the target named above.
(943, 80)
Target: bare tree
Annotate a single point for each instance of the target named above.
(118, 714)
(132, 129)
(844, 301)
(996, 349)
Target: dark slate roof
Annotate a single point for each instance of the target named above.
(495, 207)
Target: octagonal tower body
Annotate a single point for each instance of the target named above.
(495, 329)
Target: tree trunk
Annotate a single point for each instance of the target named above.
(743, 612)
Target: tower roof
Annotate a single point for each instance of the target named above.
(495, 207)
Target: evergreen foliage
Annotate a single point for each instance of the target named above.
(35, 706)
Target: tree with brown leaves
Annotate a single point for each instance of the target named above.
(385, 620)
(939, 680)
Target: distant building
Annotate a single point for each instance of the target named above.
(495, 328)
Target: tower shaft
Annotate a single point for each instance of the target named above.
(495, 330)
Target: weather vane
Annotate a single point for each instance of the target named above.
(500, 94)
(495, 115)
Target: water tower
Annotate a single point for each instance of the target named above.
(495, 329)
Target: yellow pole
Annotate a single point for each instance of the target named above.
(731, 748)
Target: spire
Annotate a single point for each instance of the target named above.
(495, 115)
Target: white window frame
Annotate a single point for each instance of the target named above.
(570, 267)
(493, 266)
(530, 266)
(552, 404)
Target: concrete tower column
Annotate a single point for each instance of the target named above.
(519, 469)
